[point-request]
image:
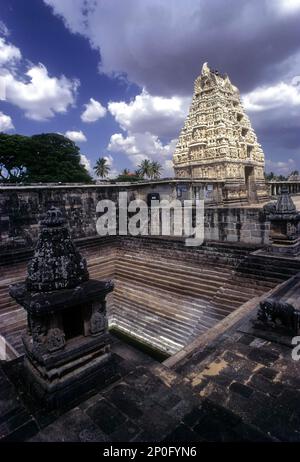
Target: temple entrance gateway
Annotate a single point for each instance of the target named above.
(217, 141)
(250, 182)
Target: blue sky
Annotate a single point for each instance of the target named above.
(137, 60)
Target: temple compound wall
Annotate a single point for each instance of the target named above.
(21, 209)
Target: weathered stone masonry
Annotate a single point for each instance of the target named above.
(21, 209)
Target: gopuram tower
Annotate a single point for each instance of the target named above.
(217, 142)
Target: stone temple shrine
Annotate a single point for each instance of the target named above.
(66, 342)
(217, 141)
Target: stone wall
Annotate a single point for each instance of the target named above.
(21, 209)
(243, 224)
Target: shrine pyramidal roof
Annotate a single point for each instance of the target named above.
(217, 139)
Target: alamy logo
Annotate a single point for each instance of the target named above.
(161, 218)
(296, 349)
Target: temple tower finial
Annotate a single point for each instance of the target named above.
(205, 69)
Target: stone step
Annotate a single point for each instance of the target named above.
(269, 271)
(169, 295)
(176, 267)
(13, 328)
(168, 309)
(235, 294)
(171, 283)
(135, 315)
(163, 275)
(175, 329)
(221, 269)
(192, 303)
(219, 272)
(189, 281)
(252, 281)
(6, 322)
(160, 342)
(7, 304)
(162, 305)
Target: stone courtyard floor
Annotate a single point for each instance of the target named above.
(238, 387)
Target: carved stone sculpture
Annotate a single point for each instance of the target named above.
(67, 343)
(280, 312)
(279, 315)
(284, 225)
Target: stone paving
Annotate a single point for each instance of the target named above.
(238, 388)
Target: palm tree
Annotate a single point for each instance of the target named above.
(281, 178)
(102, 168)
(156, 169)
(270, 176)
(137, 172)
(125, 172)
(145, 168)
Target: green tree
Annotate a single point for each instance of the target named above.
(156, 169)
(150, 169)
(58, 160)
(270, 176)
(102, 168)
(281, 178)
(48, 157)
(127, 175)
(145, 168)
(137, 173)
(13, 152)
(128, 178)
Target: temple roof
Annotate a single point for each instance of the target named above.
(56, 263)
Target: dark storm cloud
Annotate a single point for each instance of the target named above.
(161, 45)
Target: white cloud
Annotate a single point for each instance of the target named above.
(93, 111)
(85, 162)
(113, 169)
(281, 168)
(155, 114)
(109, 160)
(76, 136)
(146, 120)
(281, 94)
(141, 146)
(168, 171)
(41, 96)
(6, 123)
(287, 6)
(8, 52)
(37, 93)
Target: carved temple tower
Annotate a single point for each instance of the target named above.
(217, 141)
